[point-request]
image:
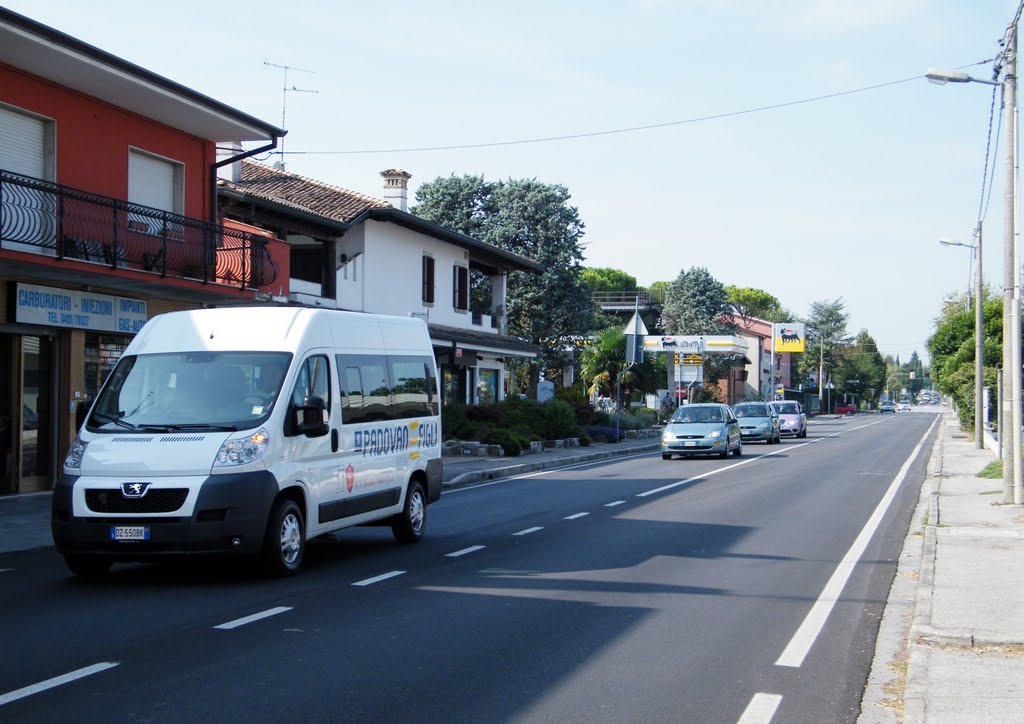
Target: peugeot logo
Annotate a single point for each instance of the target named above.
(134, 490)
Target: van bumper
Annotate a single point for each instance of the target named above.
(229, 518)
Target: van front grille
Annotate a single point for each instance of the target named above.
(161, 500)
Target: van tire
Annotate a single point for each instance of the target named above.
(285, 542)
(88, 567)
(410, 525)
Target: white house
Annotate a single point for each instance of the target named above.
(355, 252)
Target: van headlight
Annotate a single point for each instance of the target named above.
(75, 454)
(242, 450)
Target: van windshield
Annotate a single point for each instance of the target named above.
(190, 390)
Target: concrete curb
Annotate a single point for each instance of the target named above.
(475, 476)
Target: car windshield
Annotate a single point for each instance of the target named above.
(752, 411)
(787, 408)
(190, 390)
(698, 414)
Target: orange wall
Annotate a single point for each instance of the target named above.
(93, 138)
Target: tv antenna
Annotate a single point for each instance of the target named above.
(285, 90)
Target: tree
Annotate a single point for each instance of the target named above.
(606, 279)
(861, 369)
(826, 327)
(751, 303)
(533, 219)
(605, 358)
(697, 303)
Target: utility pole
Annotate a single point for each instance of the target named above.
(821, 373)
(1010, 411)
(979, 350)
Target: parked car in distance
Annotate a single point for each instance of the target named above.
(903, 406)
(792, 419)
(701, 429)
(887, 406)
(845, 408)
(759, 422)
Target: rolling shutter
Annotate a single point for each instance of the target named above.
(22, 144)
(150, 182)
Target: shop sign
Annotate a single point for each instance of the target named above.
(54, 307)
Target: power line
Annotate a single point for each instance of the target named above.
(629, 129)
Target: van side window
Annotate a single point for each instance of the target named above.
(365, 388)
(314, 380)
(414, 391)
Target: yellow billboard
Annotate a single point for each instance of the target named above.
(789, 336)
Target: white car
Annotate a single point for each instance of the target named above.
(903, 406)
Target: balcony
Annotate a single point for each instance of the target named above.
(627, 301)
(64, 223)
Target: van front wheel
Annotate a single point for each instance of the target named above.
(285, 542)
(410, 525)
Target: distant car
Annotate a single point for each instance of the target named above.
(887, 406)
(903, 406)
(845, 408)
(759, 422)
(792, 419)
(701, 429)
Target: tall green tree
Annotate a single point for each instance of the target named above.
(533, 219)
(697, 303)
(826, 336)
(606, 279)
(751, 303)
(861, 370)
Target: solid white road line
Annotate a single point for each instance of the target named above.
(255, 617)
(378, 579)
(5, 570)
(716, 471)
(530, 530)
(614, 503)
(761, 709)
(465, 551)
(574, 516)
(812, 625)
(56, 681)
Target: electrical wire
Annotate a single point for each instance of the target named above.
(629, 129)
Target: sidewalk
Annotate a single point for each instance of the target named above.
(25, 519)
(951, 644)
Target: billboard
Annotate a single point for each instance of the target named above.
(789, 336)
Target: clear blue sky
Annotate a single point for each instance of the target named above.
(843, 197)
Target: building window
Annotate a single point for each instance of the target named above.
(157, 183)
(460, 288)
(428, 279)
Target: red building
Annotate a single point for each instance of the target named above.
(108, 216)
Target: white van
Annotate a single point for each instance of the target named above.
(247, 431)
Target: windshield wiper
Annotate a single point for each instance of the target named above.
(116, 420)
(197, 426)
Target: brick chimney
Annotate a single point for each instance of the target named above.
(396, 188)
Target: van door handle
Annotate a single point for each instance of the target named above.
(334, 441)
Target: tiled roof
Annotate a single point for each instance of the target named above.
(306, 194)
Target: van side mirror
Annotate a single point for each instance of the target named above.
(311, 417)
(81, 412)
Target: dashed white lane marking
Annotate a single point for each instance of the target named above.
(614, 503)
(530, 530)
(255, 617)
(378, 579)
(56, 681)
(761, 709)
(574, 516)
(861, 427)
(465, 551)
(812, 625)
(716, 471)
(5, 570)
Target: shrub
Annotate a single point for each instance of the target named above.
(601, 433)
(584, 437)
(507, 439)
(453, 419)
(557, 420)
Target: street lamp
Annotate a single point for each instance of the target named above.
(1010, 404)
(979, 346)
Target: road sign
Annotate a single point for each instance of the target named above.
(692, 359)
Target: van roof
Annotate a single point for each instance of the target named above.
(287, 329)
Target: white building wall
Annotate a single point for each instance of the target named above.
(351, 289)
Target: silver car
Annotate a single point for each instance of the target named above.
(701, 429)
(792, 419)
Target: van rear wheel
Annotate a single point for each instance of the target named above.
(88, 567)
(285, 542)
(410, 525)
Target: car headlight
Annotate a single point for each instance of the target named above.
(666, 435)
(714, 433)
(75, 453)
(242, 450)
(762, 426)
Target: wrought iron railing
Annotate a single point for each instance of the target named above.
(628, 298)
(68, 223)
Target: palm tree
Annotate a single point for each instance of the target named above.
(603, 361)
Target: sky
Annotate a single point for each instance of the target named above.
(840, 197)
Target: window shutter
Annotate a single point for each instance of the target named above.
(22, 144)
(150, 182)
(428, 279)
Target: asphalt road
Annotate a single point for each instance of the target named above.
(628, 590)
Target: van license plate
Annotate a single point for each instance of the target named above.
(129, 532)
